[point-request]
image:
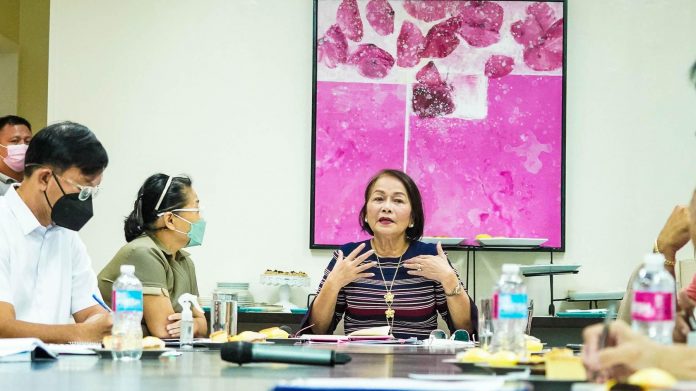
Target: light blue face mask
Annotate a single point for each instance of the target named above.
(196, 233)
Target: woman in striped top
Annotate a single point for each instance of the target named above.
(392, 279)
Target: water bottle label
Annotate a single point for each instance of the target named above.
(510, 305)
(652, 306)
(127, 300)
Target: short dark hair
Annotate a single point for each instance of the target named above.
(144, 215)
(13, 120)
(417, 215)
(65, 145)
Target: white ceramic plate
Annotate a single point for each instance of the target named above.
(512, 242)
(548, 268)
(446, 241)
(147, 353)
(615, 295)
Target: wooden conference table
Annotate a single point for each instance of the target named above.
(204, 370)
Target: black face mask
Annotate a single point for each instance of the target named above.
(69, 212)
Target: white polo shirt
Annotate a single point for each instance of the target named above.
(45, 272)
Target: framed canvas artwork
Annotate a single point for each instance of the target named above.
(467, 97)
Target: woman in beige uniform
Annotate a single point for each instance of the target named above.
(165, 219)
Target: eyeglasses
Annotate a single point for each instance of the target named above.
(85, 191)
(196, 210)
(458, 335)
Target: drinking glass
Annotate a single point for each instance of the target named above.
(485, 331)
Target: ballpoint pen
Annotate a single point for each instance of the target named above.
(603, 337)
(100, 302)
(607, 322)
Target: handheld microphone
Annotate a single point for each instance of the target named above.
(245, 352)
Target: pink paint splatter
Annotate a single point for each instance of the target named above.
(481, 23)
(360, 130)
(332, 48)
(371, 61)
(543, 14)
(530, 149)
(441, 39)
(541, 34)
(380, 15)
(428, 10)
(429, 75)
(432, 97)
(409, 45)
(348, 18)
(471, 179)
(499, 66)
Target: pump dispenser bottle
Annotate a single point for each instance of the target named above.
(186, 335)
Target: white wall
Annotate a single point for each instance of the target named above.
(221, 90)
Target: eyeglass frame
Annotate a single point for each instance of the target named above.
(85, 191)
(452, 337)
(196, 210)
(91, 191)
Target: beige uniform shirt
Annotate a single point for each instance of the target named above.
(5, 183)
(162, 273)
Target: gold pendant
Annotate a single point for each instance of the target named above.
(389, 297)
(389, 313)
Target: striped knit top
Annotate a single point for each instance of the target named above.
(417, 300)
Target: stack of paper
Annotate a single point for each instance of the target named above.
(24, 349)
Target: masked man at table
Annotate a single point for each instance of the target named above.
(15, 134)
(46, 278)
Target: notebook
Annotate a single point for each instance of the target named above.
(369, 334)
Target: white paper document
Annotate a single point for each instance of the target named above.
(396, 384)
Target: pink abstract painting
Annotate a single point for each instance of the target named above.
(464, 96)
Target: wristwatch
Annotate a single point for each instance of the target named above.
(456, 291)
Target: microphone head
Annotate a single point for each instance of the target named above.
(236, 352)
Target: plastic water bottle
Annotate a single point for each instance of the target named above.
(127, 302)
(510, 312)
(653, 307)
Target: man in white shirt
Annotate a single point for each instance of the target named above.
(46, 279)
(15, 134)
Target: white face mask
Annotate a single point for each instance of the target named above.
(15, 156)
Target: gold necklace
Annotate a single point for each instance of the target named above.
(389, 296)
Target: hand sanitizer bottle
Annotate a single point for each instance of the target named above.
(186, 335)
